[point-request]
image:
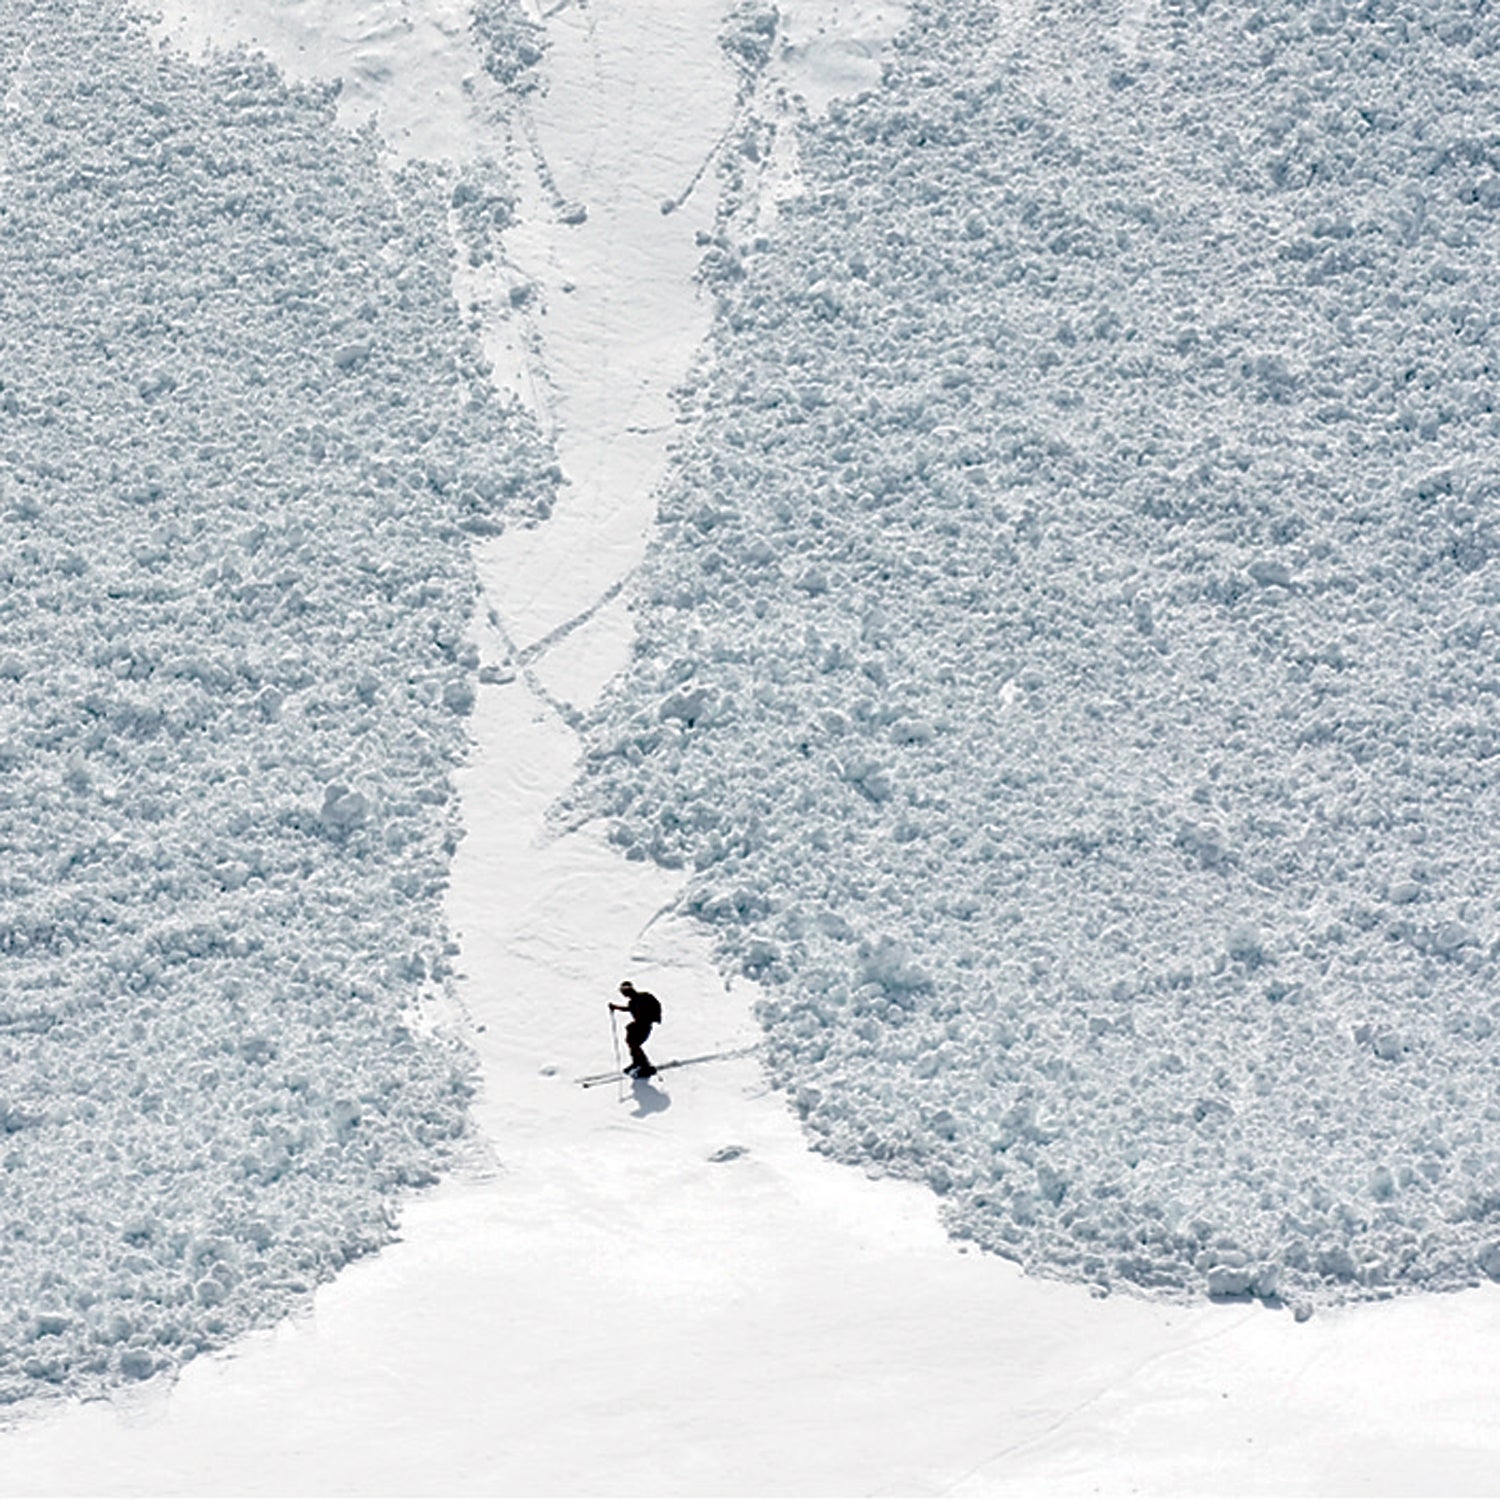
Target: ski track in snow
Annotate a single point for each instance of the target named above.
(662, 1291)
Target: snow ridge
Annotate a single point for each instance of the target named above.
(1068, 657)
(244, 441)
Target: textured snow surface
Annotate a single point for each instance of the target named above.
(243, 439)
(511, 43)
(1068, 663)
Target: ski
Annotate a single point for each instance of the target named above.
(593, 1080)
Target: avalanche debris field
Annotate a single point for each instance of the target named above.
(1069, 662)
(243, 443)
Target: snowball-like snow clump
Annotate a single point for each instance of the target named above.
(748, 36)
(510, 42)
(1069, 663)
(241, 437)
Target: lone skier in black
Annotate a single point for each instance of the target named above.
(644, 1011)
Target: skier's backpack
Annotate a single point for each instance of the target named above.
(647, 1008)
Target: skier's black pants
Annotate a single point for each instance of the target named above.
(635, 1036)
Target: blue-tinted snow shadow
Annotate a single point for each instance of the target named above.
(649, 1100)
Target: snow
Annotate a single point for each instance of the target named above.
(415, 67)
(661, 1290)
(244, 441)
(1140, 398)
(608, 1309)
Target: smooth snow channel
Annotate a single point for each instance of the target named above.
(628, 1304)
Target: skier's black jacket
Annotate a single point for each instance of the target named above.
(644, 1007)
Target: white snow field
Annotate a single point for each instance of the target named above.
(660, 1289)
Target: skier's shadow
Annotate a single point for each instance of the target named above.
(649, 1100)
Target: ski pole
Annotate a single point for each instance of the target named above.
(614, 1032)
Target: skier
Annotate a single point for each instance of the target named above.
(644, 1011)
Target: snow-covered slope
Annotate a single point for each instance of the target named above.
(663, 1291)
(1067, 661)
(244, 443)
